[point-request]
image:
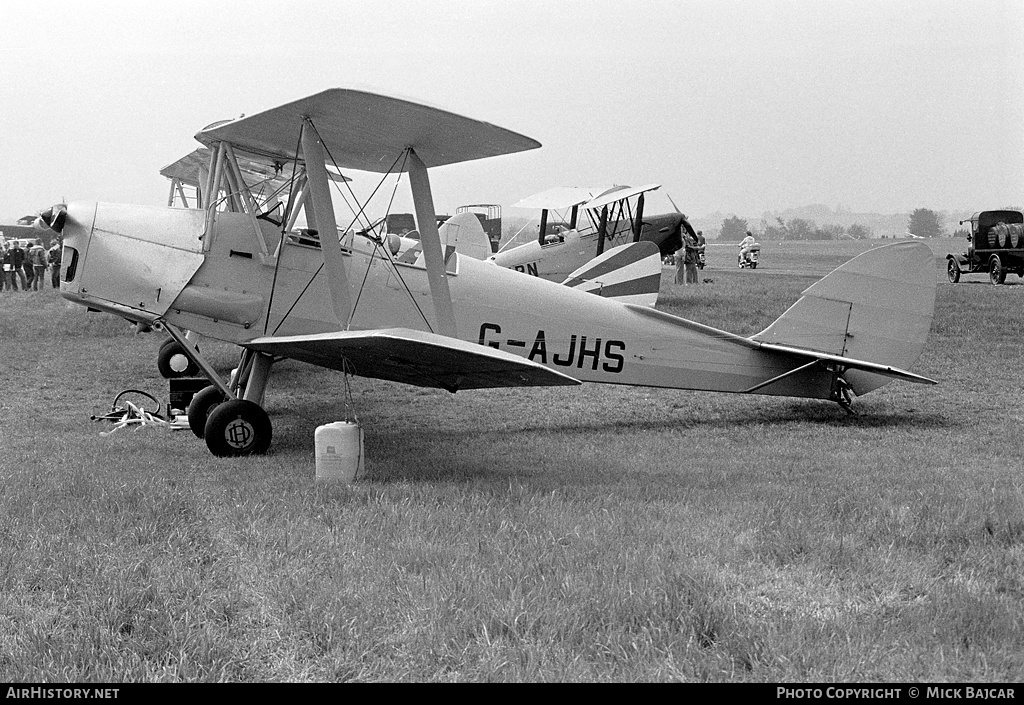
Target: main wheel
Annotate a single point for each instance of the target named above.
(173, 362)
(953, 271)
(238, 427)
(203, 402)
(753, 265)
(996, 271)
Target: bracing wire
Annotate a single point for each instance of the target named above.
(403, 156)
(280, 245)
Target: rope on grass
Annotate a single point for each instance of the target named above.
(130, 414)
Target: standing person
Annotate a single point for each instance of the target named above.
(701, 247)
(8, 266)
(690, 260)
(53, 256)
(17, 262)
(37, 258)
(680, 263)
(26, 265)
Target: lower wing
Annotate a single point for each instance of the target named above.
(413, 357)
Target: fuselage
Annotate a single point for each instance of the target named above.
(556, 259)
(148, 264)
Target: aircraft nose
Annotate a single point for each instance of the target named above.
(53, 218)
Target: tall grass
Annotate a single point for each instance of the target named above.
(587, 534)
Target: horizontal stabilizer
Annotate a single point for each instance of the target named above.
(847, 363)
(413, 357)
(628, 273)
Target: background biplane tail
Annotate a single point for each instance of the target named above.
(628, 273)
(878, 307)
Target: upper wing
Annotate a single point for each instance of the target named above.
(255, 169)
(413, 357)
(367, 131)
(616, 194)
(556, 199)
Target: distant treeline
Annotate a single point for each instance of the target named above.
(923, 222)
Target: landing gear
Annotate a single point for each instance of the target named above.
(172, 361)
(238, 427)
(229, 416)
(842, 394)
(204, 401)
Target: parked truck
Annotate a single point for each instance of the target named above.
(995, 245)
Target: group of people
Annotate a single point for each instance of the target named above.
(27, 267)
(689, 257)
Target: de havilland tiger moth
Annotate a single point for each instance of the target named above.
(590, 221)
(229, 271)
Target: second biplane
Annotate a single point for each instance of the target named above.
(578, 224)
(443, 320)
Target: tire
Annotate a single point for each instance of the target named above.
(173, 362)
(753, 265)
(953, 271)
(996, 271)
(238, 427)
(203, 402)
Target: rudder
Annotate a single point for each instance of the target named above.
(628, 273)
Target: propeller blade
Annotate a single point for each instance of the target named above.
(674, 205)
(53, 218)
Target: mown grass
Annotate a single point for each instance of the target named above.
(589, 534)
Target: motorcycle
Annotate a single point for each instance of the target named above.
(748, 259)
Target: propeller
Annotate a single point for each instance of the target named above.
(53, 218)
(675, 206)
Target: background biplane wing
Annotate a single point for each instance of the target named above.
(190, 169)
(557, 199)
(413, 357)
(368, 131)
(619, 193)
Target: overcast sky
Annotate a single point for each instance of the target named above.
(734, 106)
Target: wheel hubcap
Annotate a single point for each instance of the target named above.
(239, 434)
(179, 362)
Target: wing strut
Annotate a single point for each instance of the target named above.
(431, 241)
(326, 225)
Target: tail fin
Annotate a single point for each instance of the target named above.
(878, 307)
(464, 234)
(628, 273)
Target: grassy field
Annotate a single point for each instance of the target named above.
(589, 534)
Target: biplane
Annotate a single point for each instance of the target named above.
(577, 224)
(443, 320)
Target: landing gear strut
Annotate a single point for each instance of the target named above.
(229, 416)
(842, 394)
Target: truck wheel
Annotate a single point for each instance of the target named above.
(953, 271)
(996, 272)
